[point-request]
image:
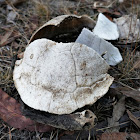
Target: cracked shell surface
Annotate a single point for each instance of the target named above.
(60, 77)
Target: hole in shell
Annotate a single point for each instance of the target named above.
(87, 114)
(67, 31)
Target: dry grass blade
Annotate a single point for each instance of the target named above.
(133, 118)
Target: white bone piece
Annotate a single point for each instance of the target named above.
(105, 28)
(109, 52)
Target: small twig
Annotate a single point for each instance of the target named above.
(125, 85)
(114, 126)
(89, 137)
(130, 79)
(78, 136)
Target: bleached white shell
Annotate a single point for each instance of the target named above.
(60, 77)
(110, 53)
(105, 28)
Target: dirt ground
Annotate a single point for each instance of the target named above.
(19, 20)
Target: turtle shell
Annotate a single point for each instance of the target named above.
(59, 78)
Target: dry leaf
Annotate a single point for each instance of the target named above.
(118, 112)
(11, 114)
(9, 37)
(118, 136)
(108, 16)
(135, 94)
(110, 12)
(5, 38)
(133, 118)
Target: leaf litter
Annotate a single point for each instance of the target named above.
(133, 93)
(10, 112)
(133, 118)
(118, 136)
(6, 88)
(5, 38)
(118, 111)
